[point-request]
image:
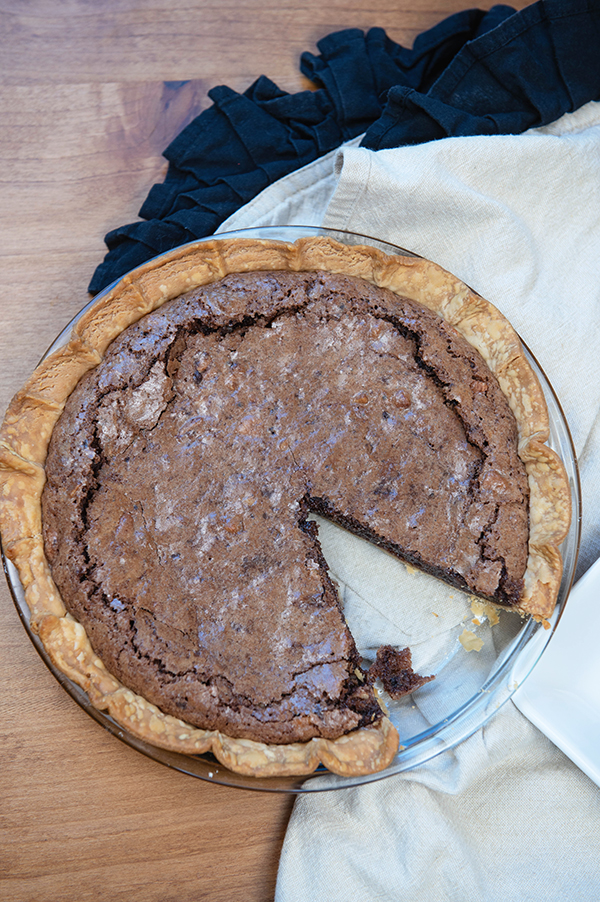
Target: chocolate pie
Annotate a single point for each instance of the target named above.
(159, 472)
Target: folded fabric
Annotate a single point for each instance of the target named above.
(474, 73)
(504, 815)
(503, 818)
(529, 70)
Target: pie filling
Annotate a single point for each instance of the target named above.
(184, 467)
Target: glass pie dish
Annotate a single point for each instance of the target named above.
(473, 654)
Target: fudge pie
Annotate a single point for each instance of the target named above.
(159, 471)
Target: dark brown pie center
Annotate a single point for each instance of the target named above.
(183, 470)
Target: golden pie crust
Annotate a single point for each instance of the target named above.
(33, 412)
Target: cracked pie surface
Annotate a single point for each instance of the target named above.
(159, 470)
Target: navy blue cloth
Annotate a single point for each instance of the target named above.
(527, 72)
(475, 73)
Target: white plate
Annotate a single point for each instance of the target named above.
(561, 696)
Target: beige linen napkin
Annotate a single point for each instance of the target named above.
(505, 815)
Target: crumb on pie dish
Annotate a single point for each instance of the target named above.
(158, 471)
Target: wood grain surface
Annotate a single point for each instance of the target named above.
(91, 95)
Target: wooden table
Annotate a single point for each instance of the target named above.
(91, 96)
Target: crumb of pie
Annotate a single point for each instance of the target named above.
(469, 641)
(394, 668)
(482, 610)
